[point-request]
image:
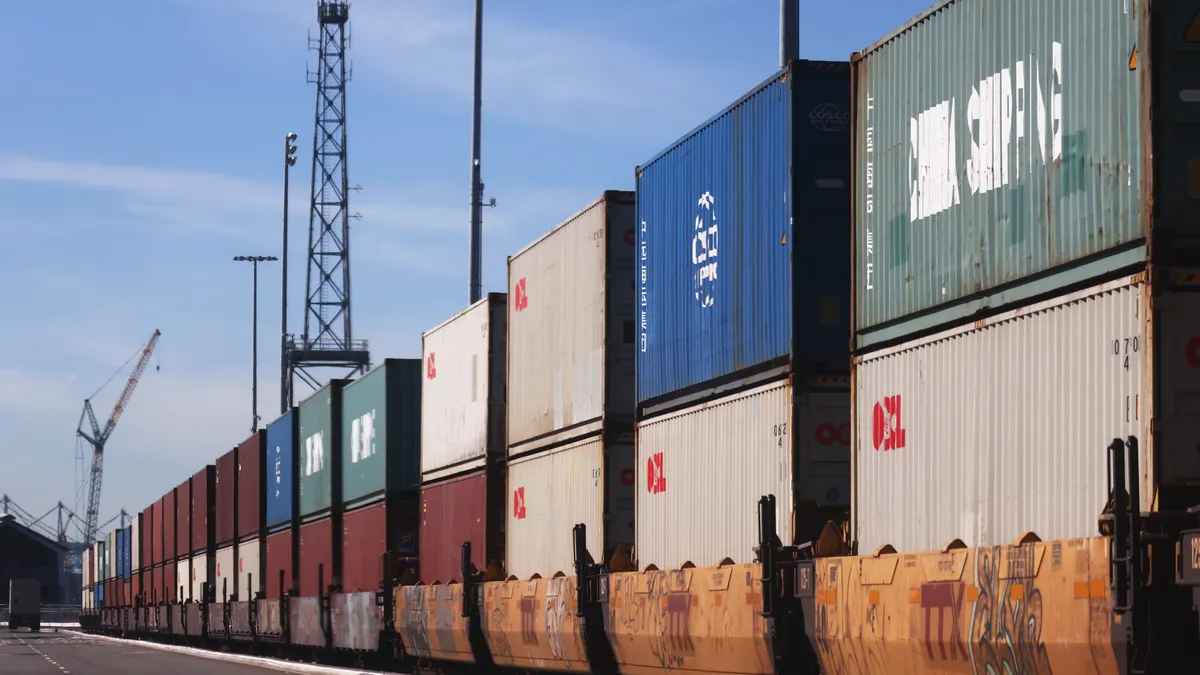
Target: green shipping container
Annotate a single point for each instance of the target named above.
(381, 432)
(1005, 150)
(320, 448)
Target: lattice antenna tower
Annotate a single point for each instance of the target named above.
(327, 341)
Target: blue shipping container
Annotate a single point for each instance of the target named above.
(744, 237)
(127, 551)
(280, 467)
(120, 571)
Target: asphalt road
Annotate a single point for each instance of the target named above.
(64, 653)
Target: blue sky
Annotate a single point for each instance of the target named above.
(140, 150)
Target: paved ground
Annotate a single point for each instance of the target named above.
(63, 653)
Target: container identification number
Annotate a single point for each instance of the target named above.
(780, 432)
(870, 187)
(1123, 347)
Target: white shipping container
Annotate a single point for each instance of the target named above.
(552, 491)
(462, 395)
(570, 327)
(249, 579)
(701, 471)
(95, 563)
(110, 553)
(1001, 427)
(226, 572)
(183, 585)
(135, 546)
(199, 575)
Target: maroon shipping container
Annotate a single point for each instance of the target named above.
(169, 583)
(250, 484)
(316, 556)
(179, 536)
(468, 508)
(202, 515)
(279, 559)
(365, 535)
(136, 593)
(171, 524)
(225, 502)
(155, 534)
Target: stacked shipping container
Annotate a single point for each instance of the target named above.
(570, 390)
(743, 310)
(225, 509)
(282, 492)
(320, 489)
(250, 511)
(1008, 323)
(462, 450)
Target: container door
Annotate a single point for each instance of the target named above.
(1178, 404)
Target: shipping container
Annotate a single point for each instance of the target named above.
(225, 581)
(570, 328)
(136, 597)
(371, 531)
(320, 449)
(118, 555)
(179, 521)
(550, 492)
(135, 560)
(702, 470)
(381, 433)
(461, 509)
(250, 573)
(203, 513)
(203, 571)
(938, 459)
(768, 180)
(170, 581)
(462, 395)
(1003, 155)
(89, 572)
(155, 535)
(181, 590)
(225, 503)
(316, 571)
(280, 560)
(111, 567)
(250, 485)
(280, 475)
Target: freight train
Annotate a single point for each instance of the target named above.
(658, 451)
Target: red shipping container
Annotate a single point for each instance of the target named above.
(469, 508)
(176, 523)
(250, 484)
(366, 533)
(136, 593)
(279, 559)
(169, 583)
(225, 502)
(316, 557)
(202, 515)
(155, 535)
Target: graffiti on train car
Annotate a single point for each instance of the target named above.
(431, 622)
(696, 619)
(976, 611)
(532, 624)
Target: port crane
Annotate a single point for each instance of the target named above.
(98, 437)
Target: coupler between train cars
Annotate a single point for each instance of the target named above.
(591, 600)
(1153, 626)
(788, 583)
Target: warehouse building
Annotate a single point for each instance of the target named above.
(25, 554)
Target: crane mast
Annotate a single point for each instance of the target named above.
(98, 438)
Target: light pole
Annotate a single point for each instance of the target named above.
(254, 260)
(285, 388)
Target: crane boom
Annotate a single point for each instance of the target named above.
(98, 438)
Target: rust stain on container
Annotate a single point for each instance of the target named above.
(671, 619)
(532, 625)
(470, 508)
(225, 503)
(1005, 625)
(430, 622)
(316, 557)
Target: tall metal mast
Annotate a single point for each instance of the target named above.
(328, 341)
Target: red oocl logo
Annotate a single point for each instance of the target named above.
(887, 431)
(520, 297)
(656, 480)
(519, 503)
(430, 366)
(829, 433)
(628, 476)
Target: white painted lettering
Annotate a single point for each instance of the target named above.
(314, 454)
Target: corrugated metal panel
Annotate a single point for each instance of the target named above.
(182, 585)
(225, 582)
(225, 502)
(462, 395)
(171, 582)
(552, 491)
(135, 560)
(282, 453)
(467, 508)
(250, 485)
(993, 142)
(570, 342)
(1000, 427)
(320, 447)
(202, 511)
(179, 520)
(381, 432)
(249, 568)
(154, 534)
(364, 541)
(199, 569)
(110, 556)
(316, 557)
(741, 225)
(278, 551)
(701, 472)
